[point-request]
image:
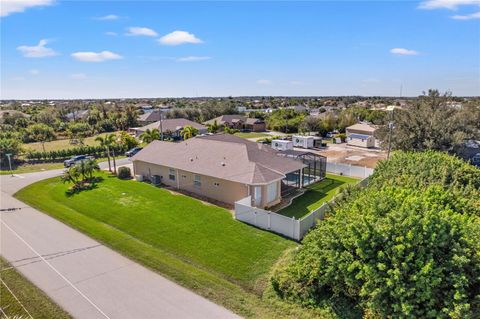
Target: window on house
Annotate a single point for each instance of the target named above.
(197, 181)
(171, 174)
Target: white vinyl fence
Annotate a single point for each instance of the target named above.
(289, 226)
(349, 170)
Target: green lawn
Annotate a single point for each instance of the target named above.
(33, 299)
(37, 167)
(251, 134)
(61, 144)
(316, 195)
(198, 245)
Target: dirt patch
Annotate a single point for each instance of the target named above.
(341, 153)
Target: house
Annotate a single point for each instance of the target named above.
(170, 127)
(282, 145)
(11, 113)
(239, 122)
(150, 116)
(220, 167)
(77, 115)
(362, 135)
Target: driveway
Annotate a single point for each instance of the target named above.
(84, 277)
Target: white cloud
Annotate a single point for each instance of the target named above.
(446, 4)
(471, 16)
(402, 51)
(78, 76)
(264, 82)
(112, 34)
(139, 31)
(37, 51)
(11, 6)
(96, 56)
(193, 58)
(34, 72)
(108, 17)
(179, 37)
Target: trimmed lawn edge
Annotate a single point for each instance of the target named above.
(202, 282)
(37, 303)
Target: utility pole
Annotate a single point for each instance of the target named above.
(390, 131)
(161, 126)
(9, 162)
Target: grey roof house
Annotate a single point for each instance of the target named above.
(221, 167)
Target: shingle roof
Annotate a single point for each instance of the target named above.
(232, 118)
(222, 156)
(362, 127)
(171, 125)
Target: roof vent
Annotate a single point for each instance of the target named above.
(223, 163)
(191, 159)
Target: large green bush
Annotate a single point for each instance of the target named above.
(407, 246)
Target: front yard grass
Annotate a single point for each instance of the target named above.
(251, 134)
(316, 195)
(195, 244)
(61, 144)
(38, 167)
(33, 299)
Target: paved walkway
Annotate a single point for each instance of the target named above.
(84, 277)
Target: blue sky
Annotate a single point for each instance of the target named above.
(95, 49)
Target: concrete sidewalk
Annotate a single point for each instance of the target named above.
(84, 277)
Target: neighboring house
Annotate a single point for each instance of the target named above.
(170, 127)
(150, 116)
(12, 113)
(220, 167)
(77, 115)
(297, 108)
(362, 135)
(469, 151)
(239, 122)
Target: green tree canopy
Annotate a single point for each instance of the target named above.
(406, 246)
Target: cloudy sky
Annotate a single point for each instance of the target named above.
(95, 49)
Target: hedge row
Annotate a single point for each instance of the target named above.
(96, 151)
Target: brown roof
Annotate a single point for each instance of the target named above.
(150, 116)
(362, 127)
(171, 125)
(222, 156)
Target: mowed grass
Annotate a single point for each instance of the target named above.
(61, 144)
(198, 245)
(316, 195)
(38, 167)
(251, 134)
(18, 294)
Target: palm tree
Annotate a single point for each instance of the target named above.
(150, 135)
(213, 128)
(188, 132)
(107, 141)
(72, 174)
(88, 168)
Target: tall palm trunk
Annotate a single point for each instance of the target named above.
(108, 156)
(114, 163)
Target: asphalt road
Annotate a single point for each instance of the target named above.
(84, 277)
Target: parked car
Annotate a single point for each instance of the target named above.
(133, 151)
(76, 159)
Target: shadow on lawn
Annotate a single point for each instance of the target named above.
(82, 186)
(314, 193)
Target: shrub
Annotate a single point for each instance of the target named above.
(124, 172)
(406, 246)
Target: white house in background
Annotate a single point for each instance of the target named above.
(362, 135)
(282, 145)
(306, 141)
